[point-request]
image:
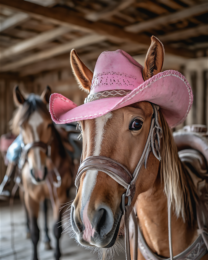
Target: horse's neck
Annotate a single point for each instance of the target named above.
(152, 212)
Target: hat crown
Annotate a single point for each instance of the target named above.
(115, 70)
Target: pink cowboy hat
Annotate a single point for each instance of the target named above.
(118, 81)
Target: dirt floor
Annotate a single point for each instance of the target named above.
(22, 249)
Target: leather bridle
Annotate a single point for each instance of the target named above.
(122, 176)
(44, 146)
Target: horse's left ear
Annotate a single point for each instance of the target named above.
(45, 96)
(154, 59)
(18, 97)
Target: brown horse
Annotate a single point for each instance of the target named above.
(121, 135)
(45, 165)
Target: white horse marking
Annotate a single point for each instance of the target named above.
(34, 121)
(100, 123)
(91, 175)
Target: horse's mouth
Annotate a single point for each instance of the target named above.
(36, 179)
(117, 233)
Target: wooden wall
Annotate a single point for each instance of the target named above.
(60, 81)
(6, 110)
(63, 82)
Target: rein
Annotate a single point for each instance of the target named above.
(122, 176)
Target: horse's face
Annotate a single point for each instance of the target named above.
(120, 135)
(36, 127)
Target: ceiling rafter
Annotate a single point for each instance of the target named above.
(109, 10)
(169, 18)
(72, 19)
(184, 34)
(13, 21)
(63, 48)
(32, 42)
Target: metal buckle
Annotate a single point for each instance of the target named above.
(123, 202)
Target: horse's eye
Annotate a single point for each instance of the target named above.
(135, 125)
(50, 125)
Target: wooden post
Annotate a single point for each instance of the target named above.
(199, 97)
(189, 119)
(2, 123)
(206, 93)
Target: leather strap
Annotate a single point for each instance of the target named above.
(29, 146)
(114, 169)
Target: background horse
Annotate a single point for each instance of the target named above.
(45, 165)
(121, 135)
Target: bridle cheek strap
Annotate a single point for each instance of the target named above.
(47, 148)
(122, 176)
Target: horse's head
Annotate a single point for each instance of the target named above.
(120, 135)
(32, 120)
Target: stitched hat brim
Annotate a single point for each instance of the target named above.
(169, 89)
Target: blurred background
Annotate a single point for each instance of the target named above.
(36, 37)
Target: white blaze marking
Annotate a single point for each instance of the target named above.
(91, 175)
(34, 121)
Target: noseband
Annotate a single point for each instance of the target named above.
(122, 176)
(47, 148)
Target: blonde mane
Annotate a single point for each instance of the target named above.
(178, 184)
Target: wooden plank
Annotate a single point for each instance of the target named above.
(110, 10)
(169, 18)
(20, 34)
(189, 119)
(13, 21)
(199, 97)
(2, 124)
(19, 18)
(185, 34)
(152, 7)
(206, 93)
(33, 42)
(63, 60)
(89, 39)
(72, 19)
(171, 3)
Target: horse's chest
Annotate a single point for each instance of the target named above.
(36, 191)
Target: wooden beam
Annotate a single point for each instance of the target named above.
(185, 34)
(19, 18)
(13, 21)
(33, 42)
(62, 61)
(65, 17)
(169, 18)
(110, 10)
(89, 39)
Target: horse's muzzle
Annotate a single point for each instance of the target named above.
(39, 175)
(101, 232)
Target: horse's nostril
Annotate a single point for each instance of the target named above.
(103, 220)
(79, 225)
(99, 219)
(76, 224)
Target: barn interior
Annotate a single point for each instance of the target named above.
(36, 37)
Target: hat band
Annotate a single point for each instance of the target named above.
(106, 94)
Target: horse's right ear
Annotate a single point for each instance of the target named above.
(18, 97)
(82, 74)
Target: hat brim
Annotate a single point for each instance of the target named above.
(169, 90)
